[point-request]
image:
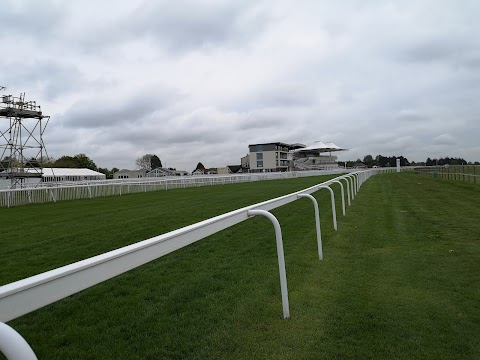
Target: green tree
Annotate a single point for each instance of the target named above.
(369, 161)
(65, 161)
(77, 161)
(83, 161)
(155, 162)
(5, 163)
(33, 163)
(148, 162)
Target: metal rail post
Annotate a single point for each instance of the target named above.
(281, 258)
(357, 184)
(317, 223)
(352, 188)
(348, 189)
(13, 345)
(334, 212)
(343, 194)
(355, 177)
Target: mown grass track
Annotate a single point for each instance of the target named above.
(400, 280)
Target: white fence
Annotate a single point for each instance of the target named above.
(93, 189)
(27, 295)
(467, 173)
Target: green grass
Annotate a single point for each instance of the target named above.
(75, 230)
(400, 278)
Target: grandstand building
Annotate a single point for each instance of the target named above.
(317, 156)
(278, 156)
(269, 157)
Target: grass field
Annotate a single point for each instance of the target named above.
(400, 280)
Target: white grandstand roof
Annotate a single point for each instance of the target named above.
(51, 172)
(321, 147)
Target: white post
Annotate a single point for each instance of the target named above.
(13, 345)
(357, 184)
(398, 165)
(350, 177)
(317, 223)
(348, 188)
(281, 258)
(343, 195)
(334, 212)
(354, 180)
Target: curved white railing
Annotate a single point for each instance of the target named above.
(27, 295)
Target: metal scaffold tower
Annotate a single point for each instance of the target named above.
(22, 150)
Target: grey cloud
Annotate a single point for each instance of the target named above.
(286, 96)
(444, 139)
(181, 25)
(199, 127)
(31, 19)
(193, 24)
(53, 79)
(411, 116)
(153, 137)
(431, 51)
(97, 112)
(255, 121)
(458, 52)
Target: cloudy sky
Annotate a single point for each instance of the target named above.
(199, 80)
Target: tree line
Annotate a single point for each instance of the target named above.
(391, 161)
(378, 161)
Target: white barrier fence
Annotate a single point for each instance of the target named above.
(72, 191)
(27, 295)
(467, 173)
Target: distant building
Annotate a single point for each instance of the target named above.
(130, 174)
(245, 163)
(229, 169)
(317, 156)
(269, 157)
(58, 175)
(70, 174)
(278, 156)
(162, 172)
(209, 171)
(222, 170)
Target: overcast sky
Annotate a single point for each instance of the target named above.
(196, 81)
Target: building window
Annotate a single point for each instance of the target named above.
(259, 163)
(259, 156)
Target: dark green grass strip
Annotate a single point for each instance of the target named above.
(400, 280)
